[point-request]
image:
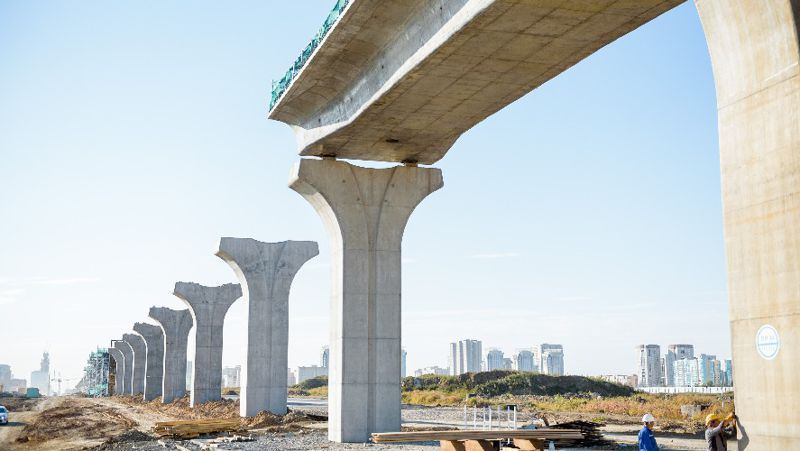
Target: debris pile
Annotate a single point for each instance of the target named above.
(75, 418)
(590, 431)
(187, 429)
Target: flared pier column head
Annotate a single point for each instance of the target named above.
(265, 271)
(365, 212)
(176, 325)
(208, 306)
(127, 370)
(154, 365)
(119, 369)
(139, 362)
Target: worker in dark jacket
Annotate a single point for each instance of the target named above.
(718, 431)
(647, 441)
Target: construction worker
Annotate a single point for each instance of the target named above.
(719, 430)
(647, 441)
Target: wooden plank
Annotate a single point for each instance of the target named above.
(529, 444)
(451, 445)
(478, 445)
(460, 435)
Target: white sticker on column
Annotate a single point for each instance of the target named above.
(768, 342)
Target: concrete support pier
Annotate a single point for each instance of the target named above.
(365, 212)
(175, 324)
(127, 377)
(755, 54)
(154, 365)
(265, 271)
(139, 362)
(119, 370)
(208, 306)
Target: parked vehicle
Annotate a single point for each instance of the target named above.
(3, 415)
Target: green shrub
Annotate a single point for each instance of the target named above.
(314, 382)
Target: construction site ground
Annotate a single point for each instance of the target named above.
(124, 423)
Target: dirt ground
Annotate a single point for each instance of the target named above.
(120, 423)
(64, 423)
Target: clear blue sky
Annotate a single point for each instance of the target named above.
(134, 134)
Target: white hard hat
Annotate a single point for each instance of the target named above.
(647, 418)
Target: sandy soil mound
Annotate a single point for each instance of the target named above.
(75, 418)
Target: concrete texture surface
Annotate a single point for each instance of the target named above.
(401, 81)
(127, 377)
(265, 271)
(754, 54)
(119, 370)
(154, 365)
(365, 212)
(176, 325)
(208, 306)
(139, 362)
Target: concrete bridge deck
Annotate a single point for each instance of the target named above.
(400, 81)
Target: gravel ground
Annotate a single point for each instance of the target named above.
(304, 440)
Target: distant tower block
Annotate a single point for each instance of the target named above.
(127, 374)
(175, 325)
(365, 212)
(154, 369)
(208, 306)
(265, 271)
(119, 370)
(139, 362)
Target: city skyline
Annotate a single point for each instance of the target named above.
(605, 202)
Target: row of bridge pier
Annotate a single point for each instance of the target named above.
(365, 212)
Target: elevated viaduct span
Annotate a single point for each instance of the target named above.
(400, 81)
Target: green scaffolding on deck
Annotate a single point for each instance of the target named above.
(279, 87)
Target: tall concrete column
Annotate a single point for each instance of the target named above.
(365, 212)
(154, 365)
(119, 370)
(755, 55)
(139, 362)
(265, 271)
(127, 375)
(208, 306)
(175, 324)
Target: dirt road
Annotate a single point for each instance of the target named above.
(21, 412)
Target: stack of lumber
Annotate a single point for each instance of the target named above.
(194, 428)
(589, 430)
(495, 434)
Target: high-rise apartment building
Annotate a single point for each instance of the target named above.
(552, 359)
(707, 369)
(5, 375)
(675, 352)
(41, 379)
(324, 357)
(648, 368)
(524, 361)
(728, 373)
(494, 360)
(465, 357)
(682, 351)
(687, 372)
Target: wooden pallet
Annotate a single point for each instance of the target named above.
(481, 440)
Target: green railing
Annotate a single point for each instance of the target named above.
(279, 87)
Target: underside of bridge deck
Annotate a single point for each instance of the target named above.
(401, 81)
